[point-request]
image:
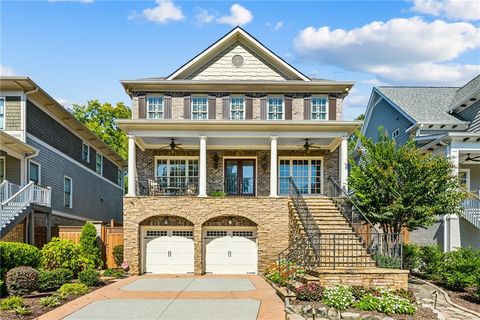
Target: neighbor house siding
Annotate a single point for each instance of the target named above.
(93, 197)
(472, 113)
(13, 168)
(386, 116)
(13, 113)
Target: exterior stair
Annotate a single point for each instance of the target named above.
(471, 211)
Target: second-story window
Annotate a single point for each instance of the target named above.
(319, 108)
(85, 152)
(119, 177)
(2, 114)
(155, 109)
(237, 108)
(99, 163)
(275, 108)
(67, 192)
(34, 172)
(199, 108)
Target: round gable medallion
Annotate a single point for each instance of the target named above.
(237, 60)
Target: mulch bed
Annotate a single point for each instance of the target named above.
(465, 300)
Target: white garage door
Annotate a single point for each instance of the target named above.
(168, 251)
(231, 252)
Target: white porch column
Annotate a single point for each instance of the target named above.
(273, 166)
(132, 166)
(343, 163)
(202, 181)
(455, 159)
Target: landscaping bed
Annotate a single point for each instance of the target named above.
(465, 299)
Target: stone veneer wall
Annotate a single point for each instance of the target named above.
(146, 165)
(269, 214)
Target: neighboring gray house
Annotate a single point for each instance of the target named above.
(444, 121)
(53, 169)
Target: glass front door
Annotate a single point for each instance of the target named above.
(240, 177)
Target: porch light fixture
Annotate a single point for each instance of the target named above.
(166, 221)
(216, 159)
(264, 163)
(230, 222)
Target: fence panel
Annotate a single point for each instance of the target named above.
(114, 237)
(70, 233)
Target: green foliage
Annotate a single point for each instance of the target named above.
(309, 292)
(60, 254)
(401, 186)
(11, 303)
(118, 254)
(411, 256)
(72, 290)
(16, 254)
(89, 277)
(461, 268)
(368, 302)
(50, 302)
(219, 194)
(90, 255)
(432, 259)
(21, 281)
(100, 119)
(283, 273)
(116, 273)
(49, 280)
(389, 262)
(386, 302)
(22, 311)
(338, 297)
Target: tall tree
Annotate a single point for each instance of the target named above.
(397, 186)
(100, 119)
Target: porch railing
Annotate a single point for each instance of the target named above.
(7, 189)
(239, 187)
(471, 210)
(167, 186)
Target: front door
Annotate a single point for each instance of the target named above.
(240, 177)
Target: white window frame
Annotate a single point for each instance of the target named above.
(162, 107)
(168, 158)
(4, 167)
(88, 152)
(322, 168)
(396, 133)
(191, 107)
(243, 108)
(39, 171)
(70, 205)
(268, 107)
(3, 121)
(467, 171)
(101, 164)
(326, 108)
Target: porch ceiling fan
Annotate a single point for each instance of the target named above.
(172, 145)
(307, 146)
(469, 158)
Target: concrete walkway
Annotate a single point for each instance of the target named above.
(177, 297)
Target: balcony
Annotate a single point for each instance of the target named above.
(167, 186)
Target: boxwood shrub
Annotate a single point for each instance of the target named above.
(50, 280)
(21, 281)
(89, 277)
(16, 254)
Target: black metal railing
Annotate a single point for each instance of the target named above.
(167, 186)
(239, 187)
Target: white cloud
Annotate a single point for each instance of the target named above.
(275, 26)
(396, 50)
(239, 16)
(7, 71)
(355, 99)
(453, 9)
(164, 12)
(204, 17)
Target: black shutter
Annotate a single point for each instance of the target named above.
(248, 108)
(288, 108)
(307, 108)
(142, 111)
(212, 108)
(226, 108)
(187, 109)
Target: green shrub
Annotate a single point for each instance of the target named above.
(49, 280)
(11, 303)
(72, 290)
(406, 294)
(460, 268)
(22, 311)
(411, 256)
(16, 254)
(90, 254)
(89, 277)
(118, 254)
(338, 297)
(60, 254)
(387, 303)
(116, 273)
(309, 292)
(368, 302)
(50, 302)
(359, 291)
(432, 259)
(219, 194)
(21, 281)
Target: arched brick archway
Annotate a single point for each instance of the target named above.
(229, 221)
(166, 220)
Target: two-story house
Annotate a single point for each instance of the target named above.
(53, 169)
(214, 150)
(444, 121)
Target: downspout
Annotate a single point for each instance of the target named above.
(25, 133)
(33, 155)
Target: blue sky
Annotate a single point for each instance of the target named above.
(79, 50)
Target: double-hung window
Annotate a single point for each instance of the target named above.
(34, 172)
(199, 108)
(237, 108)
(67, 192)
(319, 108)
(155, 107)
(2, 114)
(85, 152)
(275, 108)
(99, 163)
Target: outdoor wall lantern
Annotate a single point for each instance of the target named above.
(166, 221)
(216, 158)
(264, 163)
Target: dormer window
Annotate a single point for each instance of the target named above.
(237, 108)
(199, 108)
(155, 108)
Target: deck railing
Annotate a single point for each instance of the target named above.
(7, 189)
(471, 209)
(167, 186)
(239, 187)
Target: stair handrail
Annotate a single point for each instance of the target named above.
(3, 190)
(471, 208)
(308, 222)
(24, 191)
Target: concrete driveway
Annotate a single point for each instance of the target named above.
(161, 297)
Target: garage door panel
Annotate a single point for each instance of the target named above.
(169, 254)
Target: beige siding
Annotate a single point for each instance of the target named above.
(13, 120)
(221, 67)
(339, 109)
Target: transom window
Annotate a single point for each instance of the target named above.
(67, 192)
(2, 113)
(156, 233)
(199, 108)
(182, 233)
(99, 163)
(275, 108)
(216, 233)
(176, 173)
(319, 108)
(85, 152)
(306, 173)
(237, 108)
(155, 108)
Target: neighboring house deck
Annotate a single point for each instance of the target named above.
(43, 147)
(444, 121)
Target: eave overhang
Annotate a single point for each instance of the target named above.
(8, 142)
